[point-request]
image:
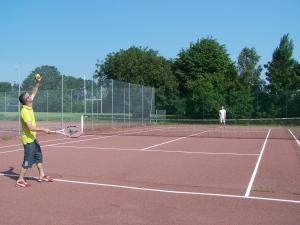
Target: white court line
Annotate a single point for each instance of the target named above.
(57, 144)
(137, 130)
(8, 146)
(89, 139)
(244, 131)
(158, 150)
(298, 142)
(116, 135)
(9, 131)
(16, 150)
(256, 166)
(164, 190)
(166, 142)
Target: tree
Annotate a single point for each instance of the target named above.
(280, 71)
(204, 72)
(49, 96)
(282, 76)
(249, 74)
(141, 66)
(5, 86)
(51, 78)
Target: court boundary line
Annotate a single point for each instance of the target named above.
(176, 139)
(256, 166)
(89, 135)
(297, 141)
(101, 137)
(16, 145)
(109, 136)
(20, 149)
(163, 190)
(156, 150)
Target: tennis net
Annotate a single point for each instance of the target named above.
(236, 129)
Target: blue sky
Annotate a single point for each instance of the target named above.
(72, 34)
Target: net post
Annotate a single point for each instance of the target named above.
(112, 103)
(81, 123)
(62, 101)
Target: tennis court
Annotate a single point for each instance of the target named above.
(168, 174)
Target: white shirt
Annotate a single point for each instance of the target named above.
(222, 113)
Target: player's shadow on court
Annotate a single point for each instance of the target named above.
(13, 175)
(10, 173)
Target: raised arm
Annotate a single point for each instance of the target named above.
(35, 87)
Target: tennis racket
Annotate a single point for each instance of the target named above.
(69, 131)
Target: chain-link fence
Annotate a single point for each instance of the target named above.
(118, 104)
(113, 103)
(239, 105)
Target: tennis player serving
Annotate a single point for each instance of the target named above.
(32, 149)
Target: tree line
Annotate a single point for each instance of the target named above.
(199, 80)
(203, 77)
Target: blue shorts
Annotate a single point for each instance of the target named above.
(32, 154)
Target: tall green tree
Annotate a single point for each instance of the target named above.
(51, 78)
(49, 95)
(141, 66)
(280, 71)
(283, 77)
(204, 72)
(249, 71)
(249, 74)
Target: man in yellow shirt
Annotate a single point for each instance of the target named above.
(32, 149)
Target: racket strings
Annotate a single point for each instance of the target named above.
(72, 131)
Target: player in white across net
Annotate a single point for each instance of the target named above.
(222, 115)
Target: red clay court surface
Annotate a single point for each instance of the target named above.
(149, 180)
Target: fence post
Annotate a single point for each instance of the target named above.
(142, 104)
(47, 94)
(71, 100)
(84, 93)
(101, 98)
(62, 101)
(4, 101)
(124, 107)
(92, 97)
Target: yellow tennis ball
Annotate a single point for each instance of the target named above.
(37, 76)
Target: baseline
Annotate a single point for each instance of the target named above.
(163, 190)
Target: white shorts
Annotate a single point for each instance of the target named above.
(222, 120)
